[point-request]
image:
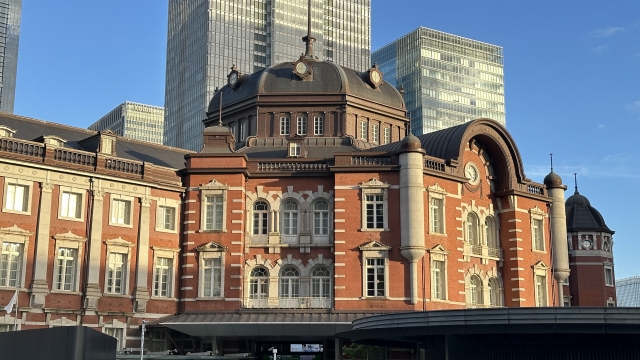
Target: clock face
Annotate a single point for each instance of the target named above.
(472, 173)
(233, 78)
(375, 77)
(301, 68)
(586, 244)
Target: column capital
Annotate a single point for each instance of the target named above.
(46, 186)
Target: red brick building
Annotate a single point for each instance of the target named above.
(308, 207)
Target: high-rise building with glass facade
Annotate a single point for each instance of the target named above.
(628, 291)
(134, 121)
(447, 79)
(10, 13)
(207, 37)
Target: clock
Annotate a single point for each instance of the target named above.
(233, 78)
(586, 244)
(375, 76)
(302, 68)
(472, 173)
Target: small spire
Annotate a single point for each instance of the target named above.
(575, 178)
(308, 39)
(220, 112)
(551, 162)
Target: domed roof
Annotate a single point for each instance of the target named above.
(581, 216)
(326, 77)
(410, 143)
(553, 180)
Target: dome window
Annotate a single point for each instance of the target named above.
(6, 131)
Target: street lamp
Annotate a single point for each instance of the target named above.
(144, 323)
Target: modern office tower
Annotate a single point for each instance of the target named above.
(10, 11)
(628, 291)
(135, 121)
(447, 79)
(207, 37)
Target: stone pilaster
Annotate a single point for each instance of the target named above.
(141, 295)
(40, 287)
(93, 290)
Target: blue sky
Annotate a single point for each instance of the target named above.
(572, 79)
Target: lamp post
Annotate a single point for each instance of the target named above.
(144, 323)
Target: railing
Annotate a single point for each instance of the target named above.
(481, 306)
(536, 190)
(22, 147)
(434, 165)
(129, 167)
(476, 249)
(370, 160)
(259, 239)
(291, 166)
(288, 303)
(290, 239)
(74, 157)
(494, 252)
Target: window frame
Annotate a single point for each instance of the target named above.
(118, 246)
(387, 135)
(260, 282)
(213, 188)
(536, 215)
(165, 253)
(301, 125)
(375, 187)
(318, 125)
(289, 217)
(375, 251)
(364, 130)
(167, 203)
(436, 192)
(117, 325)
(80, 202)
(285, 125)
(28, 195)
(476, 296)
(295, 149)
(542, 270)
(375, 133)
(322, 282)
(116, 198)
(264, 220)
(609, 280)
(323, 213)
(19, 236)
(74, 242)
(210, 251)
(439, 253)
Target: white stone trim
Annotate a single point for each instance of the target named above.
(15, 181)
(168, 253)
(374, 187)
(213, 188)
(132, 204)
(119, 246)
(69, 241)
(375, 250)
(17, 235)
(82, 202)
(171, 203)
(210, 250)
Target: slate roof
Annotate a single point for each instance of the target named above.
(581, 216)
(327, 78)
(30, 129)
(317, 148)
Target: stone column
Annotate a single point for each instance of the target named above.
(40, 288)
(93, 291)
(141, 295)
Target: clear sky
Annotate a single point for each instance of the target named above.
(572, 79)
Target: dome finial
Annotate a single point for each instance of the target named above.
(575, 179)
(308, 38)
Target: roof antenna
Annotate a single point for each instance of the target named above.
(575, 177)
(220, 112)
(308, 38)
(551, 162)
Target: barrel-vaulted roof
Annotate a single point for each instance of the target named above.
(326, 78)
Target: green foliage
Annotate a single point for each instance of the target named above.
(362, 352)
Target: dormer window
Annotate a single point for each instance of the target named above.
(6, 131)
(53, 140)
(107, 143)
(294, 149)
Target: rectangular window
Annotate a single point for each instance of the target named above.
(375, 277)
(243, 131)
(318, 125)
(116, 333)
(364, 126)
(66, 269)
(436, 215)
(294, 149)
(168, 217)
(302, 125)
(162, 281)
(375, 211)
(213, 212)
(5, 328)
(541, 290)
(10, 264)
(71, 205)
(608, 276)
(121, 212)
(212, 277)
(438, 279)
(374, 133)
(538, 242)
(284, 126)
(116, 266)
(387, 135)
(17, 197)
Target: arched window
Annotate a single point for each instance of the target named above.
(289, 282)
(475, 286)
(321, 217)
(490, 229)
(494, 292)
(290, 218)
(472, 229)
(320, 282)
(260, 217)
(259, 283)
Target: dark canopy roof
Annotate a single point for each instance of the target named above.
(581, 216)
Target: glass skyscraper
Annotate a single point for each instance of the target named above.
(207, 37)
(135, 121)
(447, 79)
(628, 291)
(10, 12)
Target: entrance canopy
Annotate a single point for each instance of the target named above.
(262, 324)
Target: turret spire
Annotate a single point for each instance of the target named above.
(308, 39)
(575, 179)
(551, 162)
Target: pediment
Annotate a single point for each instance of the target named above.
(69, 236)
(375, 246)
(15, 230)
(211, 246)
(436, 188)
(438, 249)
(119, 242)
(374, 183)
(214, 184)
(541, 265)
